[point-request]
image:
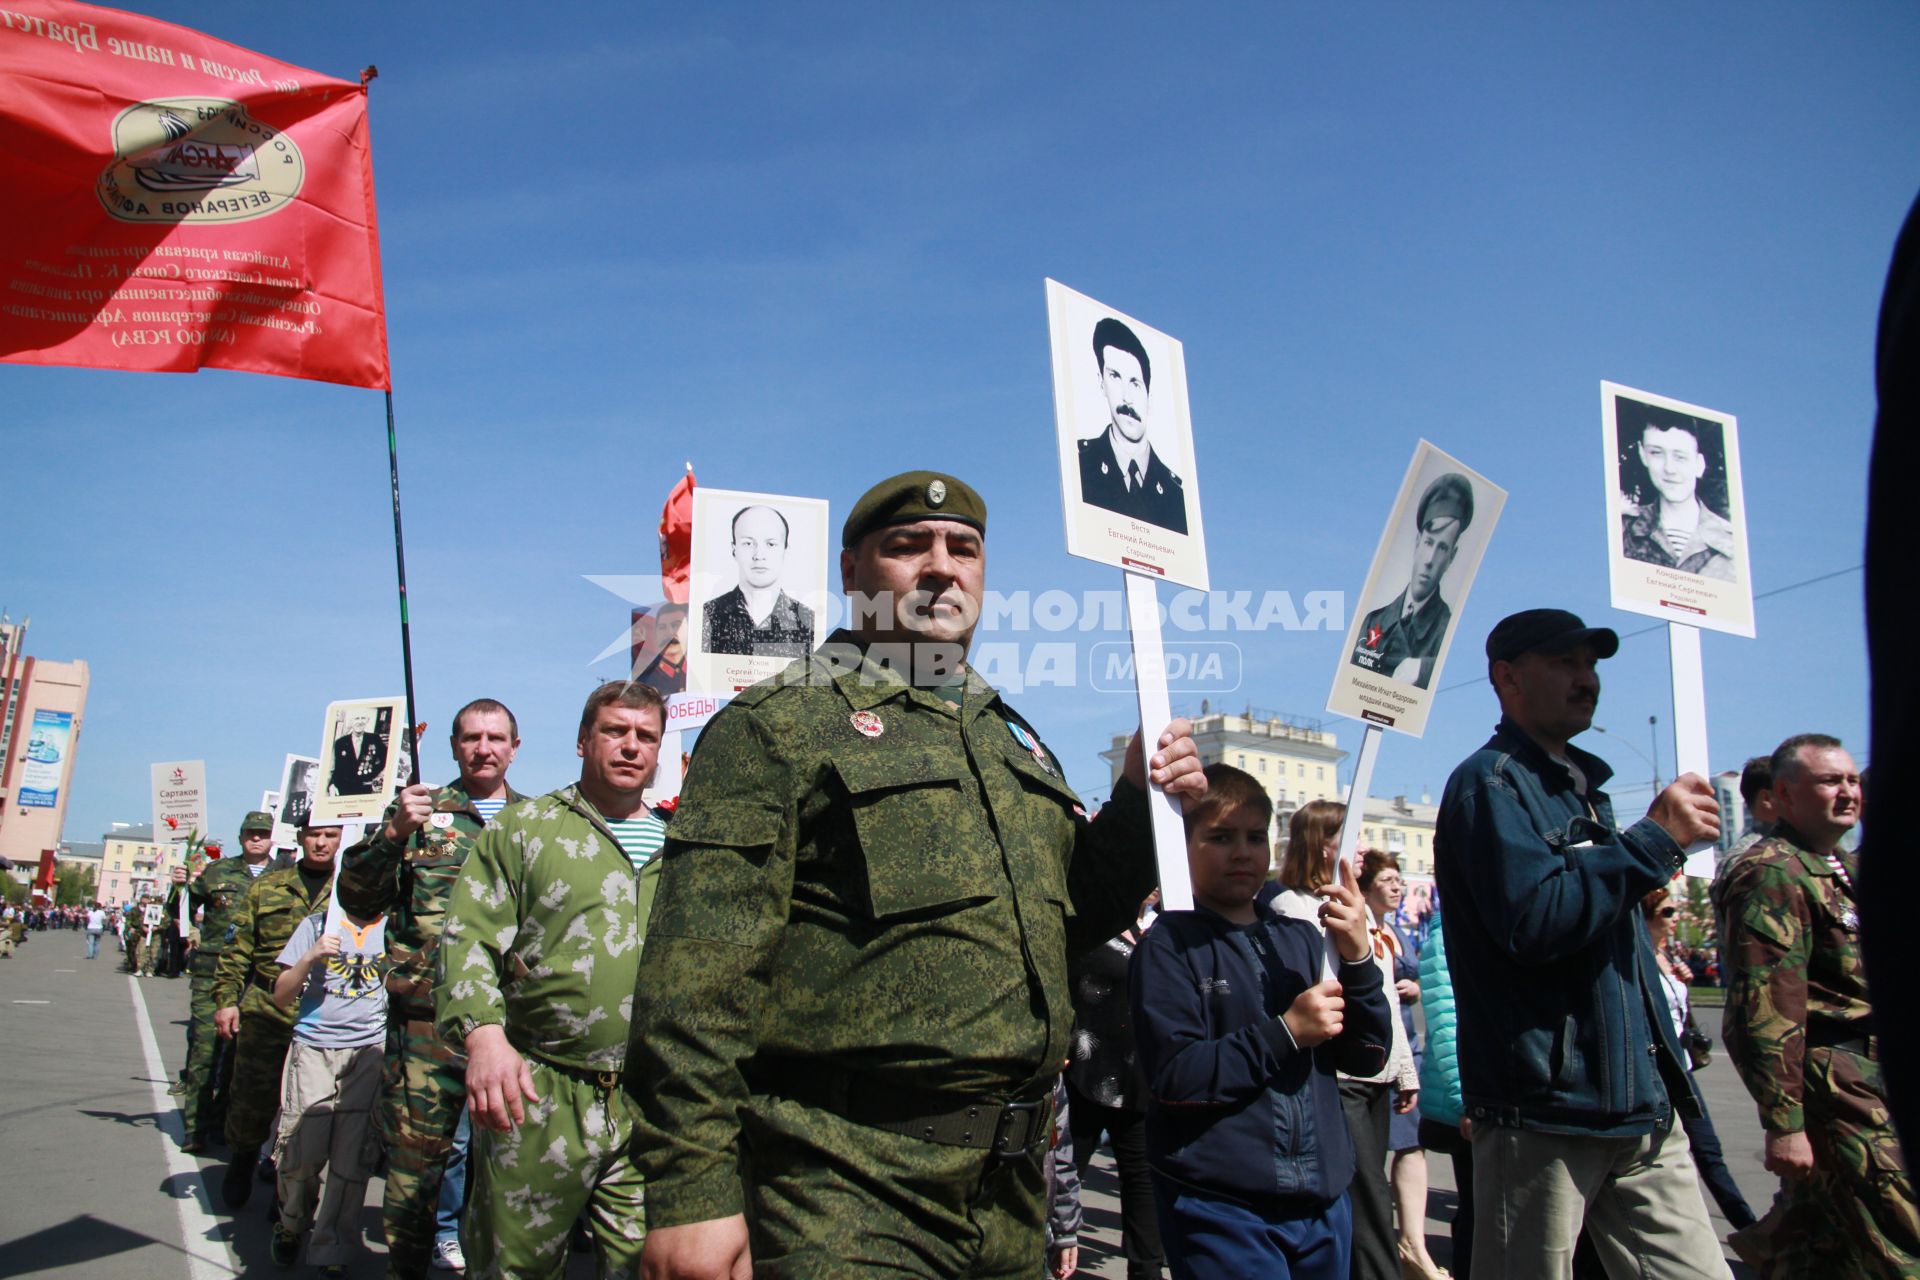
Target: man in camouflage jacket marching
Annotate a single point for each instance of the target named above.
(218, 892)
(854, 999)
(1800, 1030)
(273, 907)
(406, 871)
(535, 983)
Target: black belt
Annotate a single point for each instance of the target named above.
(1009, 1129)
(1827, 1033)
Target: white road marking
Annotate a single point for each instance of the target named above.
(199, 1227)
(66, 971)
(33, 1002)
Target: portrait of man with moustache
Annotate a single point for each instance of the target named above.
(1119, 470)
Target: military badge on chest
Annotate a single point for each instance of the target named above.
(867, 723)
(1032, 744)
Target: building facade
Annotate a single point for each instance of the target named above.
(131, 863)
(42, 710)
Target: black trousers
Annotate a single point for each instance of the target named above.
(1376, 1251)
(1447, 1140)
(1139, 1227)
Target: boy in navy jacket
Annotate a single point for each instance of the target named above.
(1240, 1038)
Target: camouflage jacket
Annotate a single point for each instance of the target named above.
(862, 879)
(411, 883)
(270, 910)
(1796, 956)
(543, 934)
(218, 890)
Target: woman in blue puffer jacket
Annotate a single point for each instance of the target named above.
(1443, 1125)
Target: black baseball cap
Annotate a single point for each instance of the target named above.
(1546, 631)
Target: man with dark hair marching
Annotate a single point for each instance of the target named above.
(1799, 1029)
(535, 983)
(405, 871)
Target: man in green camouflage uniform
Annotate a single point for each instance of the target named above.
(273, 906)
(854, 998)
(406, 871)
(535, 982)
(1800, 1030)
(217, 891)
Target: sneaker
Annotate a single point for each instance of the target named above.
(237, 1187)
(447, 1256)
(178, 1089)
(193, 1144)
(284, 1247)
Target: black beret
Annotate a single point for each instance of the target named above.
(1449, 497)
(911, 496)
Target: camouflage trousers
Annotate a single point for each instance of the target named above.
(1861, 1189)
(423, 1092)
(829, 1199)
(259, 1056)
(209, 1058)
(526, 1187)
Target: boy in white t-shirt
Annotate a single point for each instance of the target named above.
(330, 1086)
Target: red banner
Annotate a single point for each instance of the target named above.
(676, 539)
(175, 202)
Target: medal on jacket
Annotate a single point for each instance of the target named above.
(441, 820)
(1032, 744)
(867, 723)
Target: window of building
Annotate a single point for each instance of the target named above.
(1300, 770)
(1263, 764)
(1240, 760)
(1319, 773)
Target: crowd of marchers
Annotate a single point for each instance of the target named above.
(871, 995)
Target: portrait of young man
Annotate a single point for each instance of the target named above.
(1402, 638)
(1119, 469)
(758, 618)
(1673, 478)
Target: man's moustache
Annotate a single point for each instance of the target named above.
(1128, 410)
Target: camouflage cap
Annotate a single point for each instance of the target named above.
(910, 496)
(256, 821)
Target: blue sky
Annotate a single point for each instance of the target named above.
(803, 247)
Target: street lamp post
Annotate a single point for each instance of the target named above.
(1652, 761)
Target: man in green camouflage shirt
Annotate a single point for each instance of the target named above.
(854, 998)
(272, 908)
(406, 871)
(217, 891)
(1800, 1030)
(535, 983)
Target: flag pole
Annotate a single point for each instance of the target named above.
(400, 568)
(367, 76)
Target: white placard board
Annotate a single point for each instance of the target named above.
(179, 790)
(1128, 483)
(757, 591)
(299, 782)
(1676, 511)
(362, 747)
(1409, 610)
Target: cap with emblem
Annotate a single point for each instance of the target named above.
(256, 821)
(1547, 631)
(1448, 498)
(911, 496)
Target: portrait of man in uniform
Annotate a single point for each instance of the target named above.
(757, 617)
(359, 753)
(1673, 478)
(297, 794)
(1119, 470)
(1402, 638)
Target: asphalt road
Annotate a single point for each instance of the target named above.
(93, 1183)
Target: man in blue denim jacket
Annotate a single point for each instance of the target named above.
(1568, 1064)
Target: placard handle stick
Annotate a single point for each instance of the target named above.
(1343, 868)
(1690, 723)
(1156, 713)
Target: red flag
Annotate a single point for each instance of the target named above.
(676, 539)
(47, 874)
(175, 202)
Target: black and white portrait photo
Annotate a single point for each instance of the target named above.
(1118, 468)
(1673, 477)
(1125, 440)
(298, 778)
(1402, 637)
(758, 617)
(1408, 611)
(756, 588)
(361, 755)
(1676, 514)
